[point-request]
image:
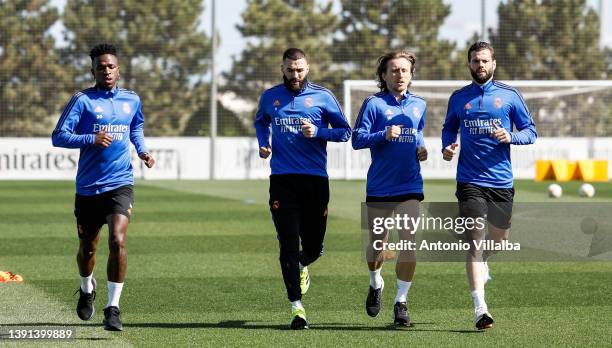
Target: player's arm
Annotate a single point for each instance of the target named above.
(262, 129)
(64, 133)
(341, 130)
(449, 132)
(362, 133)
(420, 139)
(521, 117)
(137, 137)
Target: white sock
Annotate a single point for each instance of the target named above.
(479, 301)
(87, 284)
(114, 293)
(376, 279)
(402, 291)
(296, 304)
(301, 267)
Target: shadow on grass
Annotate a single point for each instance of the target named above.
(250, 325)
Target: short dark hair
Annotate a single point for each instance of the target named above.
(382, 65)
(102, 49)
(479, 46)
(294, 54)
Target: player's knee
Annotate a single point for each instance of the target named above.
(88, 247)
(475, 253)
(87, 251)
(286, 255)
(116, 242)
(406, 256)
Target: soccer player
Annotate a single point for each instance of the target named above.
(101, 121)
(390, 123)
(298, 112)
(486, 112)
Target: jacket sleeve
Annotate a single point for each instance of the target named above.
(362, 133)
(341, 130)
(521, 117)
(420, 138)
(262, 124)
(451, 126)
(64, 134)
(137, 131)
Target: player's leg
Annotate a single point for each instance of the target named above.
(406, 263)
(89, 224)
(313, 221)
(287, 231)
(477, 271)
(500, 213)
(472, 204)
(119, 202)
(286, 217)
(377, 209)
(86, 255)
(86, 260)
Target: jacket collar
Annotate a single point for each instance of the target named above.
(484, 87)
(391, 97)
(108, 93)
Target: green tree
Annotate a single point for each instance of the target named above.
(369, 28)
(272, 26)
(555, 40)
(31, 78)
(548, 40)
(162, 53)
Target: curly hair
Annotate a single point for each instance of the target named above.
(102, 49)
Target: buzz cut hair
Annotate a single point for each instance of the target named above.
(102, 49)
(479, 46)
(294, 54)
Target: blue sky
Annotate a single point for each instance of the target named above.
(463, 21)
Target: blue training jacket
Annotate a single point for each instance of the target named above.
(283, 111)
(117, 112)
(482, 159)
(395, 168)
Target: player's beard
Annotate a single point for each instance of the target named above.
(479, 79)
(288, 84)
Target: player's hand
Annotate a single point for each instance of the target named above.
(148, 159)
(393, 132)
(102, 139)
(421, 153)
(264, 152)
(501, 134)
(449, 152)
(308, 129)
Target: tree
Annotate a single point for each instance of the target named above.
(162, 54)
(555, 40)
(548, 40)
(272, 26)
(369, 28)
(31, 80)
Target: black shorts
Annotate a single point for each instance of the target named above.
(494, 203)
(91, 211)
(395, 199)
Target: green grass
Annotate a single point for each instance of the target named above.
(203, 270)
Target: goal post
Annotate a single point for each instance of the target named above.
(560, 108)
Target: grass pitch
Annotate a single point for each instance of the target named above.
(203, 270)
